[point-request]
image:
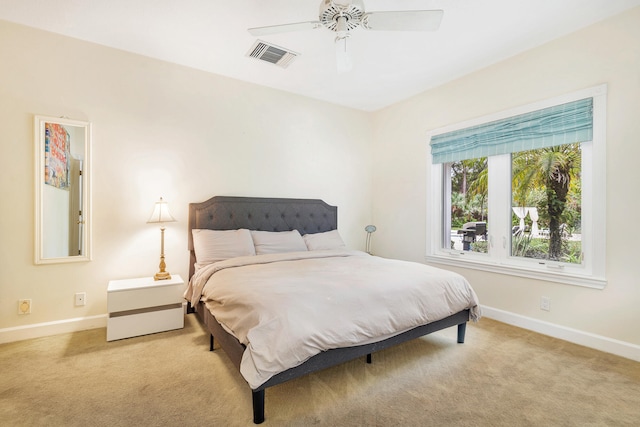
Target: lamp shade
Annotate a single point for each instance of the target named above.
(161, 213)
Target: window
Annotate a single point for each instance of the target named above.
(468, 212)
(521, 192)
(547, 203)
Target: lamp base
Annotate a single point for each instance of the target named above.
(162, 275)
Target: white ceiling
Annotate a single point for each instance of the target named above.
(212, 35)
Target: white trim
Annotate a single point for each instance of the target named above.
(39, 137)
(597, 342)
(473, 261)
(39, 330)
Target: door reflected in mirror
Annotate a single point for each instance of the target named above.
(63, 228)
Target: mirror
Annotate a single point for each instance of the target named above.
(63, 229)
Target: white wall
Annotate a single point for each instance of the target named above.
(603, 53)
(158, 130)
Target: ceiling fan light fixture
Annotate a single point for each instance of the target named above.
(341, 26)
(343, 62)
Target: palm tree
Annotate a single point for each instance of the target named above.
(552, 169)
(480, 186)
(464, 172)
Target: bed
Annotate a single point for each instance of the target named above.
(260, 349)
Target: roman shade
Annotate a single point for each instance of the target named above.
(561, 124)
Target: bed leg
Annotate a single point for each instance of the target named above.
(462, 328)
(258, 406)
(369, 358)
(190, 309)
(210, 342)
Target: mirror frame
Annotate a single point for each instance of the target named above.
(39, 122)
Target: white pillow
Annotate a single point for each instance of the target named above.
(327, 240)
(218, 245)
(275, 242)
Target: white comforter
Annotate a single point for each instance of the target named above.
(288, 307)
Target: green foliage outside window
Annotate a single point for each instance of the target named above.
(548, 179)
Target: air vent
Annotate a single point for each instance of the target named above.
(273, 54)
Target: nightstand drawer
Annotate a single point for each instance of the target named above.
(131, 325)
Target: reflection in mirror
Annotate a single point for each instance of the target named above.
(62, 190)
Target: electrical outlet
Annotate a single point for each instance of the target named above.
(545, 303)
(24, 306)
(81, 298)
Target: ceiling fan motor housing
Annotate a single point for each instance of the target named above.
(331, 11)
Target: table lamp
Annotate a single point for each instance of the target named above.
(161, 215)
(369, 229)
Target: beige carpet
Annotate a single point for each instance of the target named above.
(501, 376)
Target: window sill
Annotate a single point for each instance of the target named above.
(455, 259)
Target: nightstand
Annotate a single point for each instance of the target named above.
(144, 306)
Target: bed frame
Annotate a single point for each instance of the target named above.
(307, 216)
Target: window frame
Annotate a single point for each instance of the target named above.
(590, 273)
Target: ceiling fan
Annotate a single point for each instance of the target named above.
(343, 16)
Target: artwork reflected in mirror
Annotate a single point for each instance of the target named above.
(62, 190)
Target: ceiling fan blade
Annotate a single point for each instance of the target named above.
(343, 61)
(284, 28)
(411, 20)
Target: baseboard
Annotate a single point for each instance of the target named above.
(38, 330)
(597, 342)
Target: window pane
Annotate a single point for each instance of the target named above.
(547, 203)
(468, 201)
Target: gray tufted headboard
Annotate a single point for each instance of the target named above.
(308, 216)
